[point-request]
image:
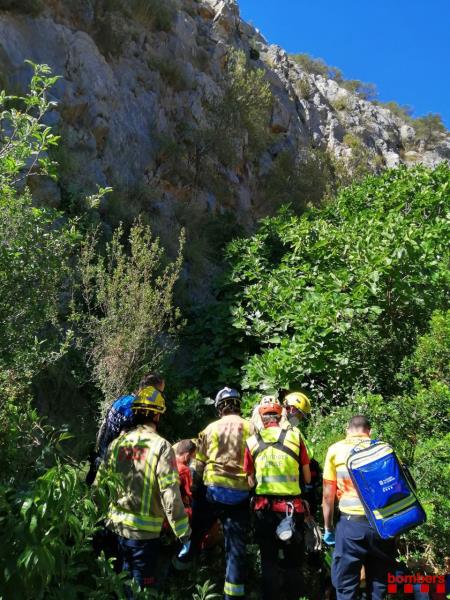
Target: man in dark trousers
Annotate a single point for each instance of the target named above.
(356, 542)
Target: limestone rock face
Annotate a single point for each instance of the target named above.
(133, 89)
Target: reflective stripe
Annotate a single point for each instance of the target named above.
(238, 483)
(342, 473)
(394, 508)
(181, 526)
(234, 589)
(150, 524)
(213, 446)
(148, 480)
(349, 501)
(168, 480)
(278, 478)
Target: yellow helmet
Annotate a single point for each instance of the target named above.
(149, 399)
(298, 401)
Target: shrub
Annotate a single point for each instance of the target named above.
(334, 299)
(362, 161)
(170, 71)
(155, 13)
(158, 14)
(403, 112)
(416, 423)
(299, 182)
(367, 91)
(35, 243)
(246, 104)
(429, 129)
(340, 103)
(31, 7)
(304, 88)
(128, 318)
(317, 66)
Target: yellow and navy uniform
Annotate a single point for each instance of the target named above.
(151, 489)
(220, 463)
(335, 472)
(220, 452)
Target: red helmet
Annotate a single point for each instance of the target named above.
(270, 405)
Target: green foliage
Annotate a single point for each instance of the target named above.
(247, 103)
(128, 318)
(170, 71)
(317, 66)
(237, 130)
(304, 88)
(29, 7)
(35, 248)
(154, 13)
(46, 532)
(429, 128)
(300, 182)
(157, 14)
(335, 298)
(340, 103)
(23, 136)
(366, 91)
(35, 243)
(416, 423)
(403, 112)
(205, 592)
(362, 161)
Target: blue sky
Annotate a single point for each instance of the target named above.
(403, 46)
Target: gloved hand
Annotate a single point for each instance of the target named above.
(184, 549)
(328, 538)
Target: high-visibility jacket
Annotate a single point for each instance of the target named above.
(284, 424)
(151, 491)
(276, 457)
(220, 452)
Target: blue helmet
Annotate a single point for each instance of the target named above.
(225, 394)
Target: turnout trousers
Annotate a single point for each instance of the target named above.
(235, 524)
(280, 561)
(358, 544)
(139, 558)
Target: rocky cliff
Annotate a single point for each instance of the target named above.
(139, 76)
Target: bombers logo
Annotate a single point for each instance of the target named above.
(406, 583)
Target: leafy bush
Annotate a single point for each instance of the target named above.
(170, 71)
(403, 112)
(317, 66)
(30, 7)
(366, 91)
(36, 246)
(416, 423)
(128, 316)
(429, 129)
(335, 298)
(46, 538)
(155, 13)
(299, 182)
(158, 14)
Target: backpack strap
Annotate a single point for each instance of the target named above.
(278, 445)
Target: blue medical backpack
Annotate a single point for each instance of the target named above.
(386, 489)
